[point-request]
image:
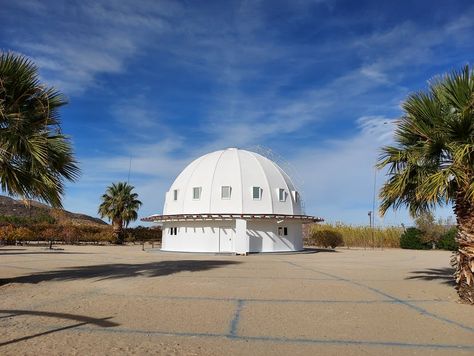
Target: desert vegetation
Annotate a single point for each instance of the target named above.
(120, 205)
(46, 230)
(428, 233)
(431, 162)
(346, 235)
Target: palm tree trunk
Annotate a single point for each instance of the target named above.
(463, 259)
(117, 230)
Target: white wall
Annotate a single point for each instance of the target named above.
(195, 236)
(203, 236)
(263, 236)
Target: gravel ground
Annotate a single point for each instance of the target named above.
(112, 300)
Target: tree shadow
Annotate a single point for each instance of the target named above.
(119, 270)
(317, 250)
(52, 251)
(445, 275)
(81, 319)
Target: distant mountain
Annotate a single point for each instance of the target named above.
(18, 208)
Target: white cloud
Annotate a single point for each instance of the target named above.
(97, 38)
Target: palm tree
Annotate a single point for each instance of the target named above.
(35, 157)
(432, 162)
(120, 206)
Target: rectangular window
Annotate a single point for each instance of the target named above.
(281, 194)
(282, 231)
(175, 194)
(296, 197)
(225, 192)
(285, 231)
(173, 231)
(197, 193)
(257, 193)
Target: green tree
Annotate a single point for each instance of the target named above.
(432, 162)
(119, 205)
(35, 157)
(431, 229)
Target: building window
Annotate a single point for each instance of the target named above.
(197, 193)
(225, 192)
(282, 231)
(296, 196)
(175, 194)
(281, 194)
(257, 193)
(173, 231)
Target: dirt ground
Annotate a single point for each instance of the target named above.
(120, 300)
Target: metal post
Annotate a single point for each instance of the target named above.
(370, 224)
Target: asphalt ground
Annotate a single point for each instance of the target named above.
(113, 300)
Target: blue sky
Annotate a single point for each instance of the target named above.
(316, 83)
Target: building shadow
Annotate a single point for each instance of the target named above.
(444, 275)
(119, 270)
(79, 319)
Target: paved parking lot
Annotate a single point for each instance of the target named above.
(109, 300)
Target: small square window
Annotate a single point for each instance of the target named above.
(225, 192)
(281, 194)
(197, 193)
(282, 231)
(296, 196)
(175, 194)
(257, 193)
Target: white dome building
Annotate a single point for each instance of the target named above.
(233, 201)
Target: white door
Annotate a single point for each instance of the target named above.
(226, 237)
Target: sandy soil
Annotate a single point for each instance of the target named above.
(120, 300)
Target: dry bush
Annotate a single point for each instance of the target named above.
(23, 234)
(142, 234)
(6, 234)
(326, 238)
(362, 236)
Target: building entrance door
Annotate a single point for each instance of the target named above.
(226, 239)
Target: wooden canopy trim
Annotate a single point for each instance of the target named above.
(197, 217)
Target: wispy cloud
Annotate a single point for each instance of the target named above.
(176, 80)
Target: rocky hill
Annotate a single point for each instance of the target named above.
(33, 209)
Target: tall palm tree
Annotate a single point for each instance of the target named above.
(120, 206)
(432, 162)
(35, 157)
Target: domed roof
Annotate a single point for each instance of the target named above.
(232, 181)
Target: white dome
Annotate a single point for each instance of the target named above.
(232, 181)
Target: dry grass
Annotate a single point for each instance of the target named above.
(364, 236)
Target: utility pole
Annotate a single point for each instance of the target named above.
(373, 207)
(370, 220)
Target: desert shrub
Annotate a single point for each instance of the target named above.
(448, 240)
(22, 234)
(70, 234)
(431, 230)
(98, 234)
(7, 234)
(412, 239)
(326, 238)
(142, 234)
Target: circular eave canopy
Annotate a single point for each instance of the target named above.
(194, 217)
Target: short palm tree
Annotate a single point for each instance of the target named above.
(35, 157)
(432, 162)
(119, 205)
